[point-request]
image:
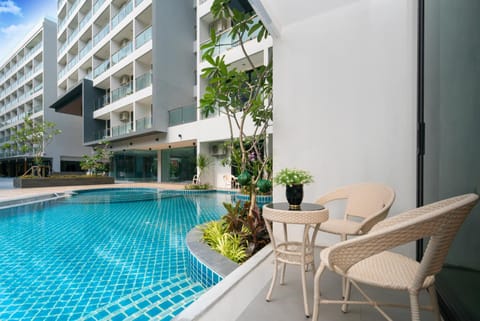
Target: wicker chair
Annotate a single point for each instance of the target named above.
(367, 204)
(366, 260)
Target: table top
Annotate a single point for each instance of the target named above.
(303, 207)
(308, 213)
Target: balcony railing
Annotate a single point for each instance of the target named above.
(122, 53)
(143, 81)
(102, 101)
(97, 5)
(143, 123)
(122, 14)
(226, 42)
(85, 20)
(99, 36)
(137, 2)
(143, 37)
(101, 68)
(122, 129)
(86, 49)
(182, 115)
(72, 35)
(122, 91)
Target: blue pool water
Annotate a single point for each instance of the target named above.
(101, 255)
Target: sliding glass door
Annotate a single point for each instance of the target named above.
(451, 164)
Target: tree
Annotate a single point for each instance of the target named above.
(242, 95)
(98, 162)
(203, 162)
(32, 138)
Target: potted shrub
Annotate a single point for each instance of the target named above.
(293, 179)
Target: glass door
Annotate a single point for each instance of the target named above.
(451, 162)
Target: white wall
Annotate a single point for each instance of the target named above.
(345, 96)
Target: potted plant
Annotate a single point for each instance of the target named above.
(293, 179)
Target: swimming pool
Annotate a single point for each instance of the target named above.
(101, 255)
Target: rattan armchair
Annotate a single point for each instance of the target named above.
(367, 204)
(366, 259)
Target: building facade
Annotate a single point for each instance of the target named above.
(27, 88)
(132, 69)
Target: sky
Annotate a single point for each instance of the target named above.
(17, 18)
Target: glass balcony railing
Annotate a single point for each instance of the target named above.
(101, 68)
(143, 37)
(97, 5)
(86, 49)
(102, 101)
(143, 81)
(122, 91)
(72, 35)
(143, 123)
(99, 36)
(85, 20)
(182, 115)
(62, 47)
(122, 53)
(122, 129)
(122, 14)
(226, 42)
(37, 108)
(137, 2)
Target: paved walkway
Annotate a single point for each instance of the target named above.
(7, 192)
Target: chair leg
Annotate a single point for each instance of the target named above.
(348, 290)
(434, 302)
(284, 267)
(343, 237)
(274, 278)
(414, 306)
(304, 288)
(316, 291)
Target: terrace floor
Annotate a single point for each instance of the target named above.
(287, 301)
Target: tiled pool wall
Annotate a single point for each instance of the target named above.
(261, 199)
(199, 272)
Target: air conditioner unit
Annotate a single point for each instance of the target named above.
(125, 79)
(125, 116)
(217, 150)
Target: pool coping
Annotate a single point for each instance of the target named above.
(210, 258)
(5, 204)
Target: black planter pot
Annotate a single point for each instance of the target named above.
(294, 195)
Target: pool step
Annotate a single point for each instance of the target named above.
(160, 301)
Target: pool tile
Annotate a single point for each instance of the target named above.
(102, 261)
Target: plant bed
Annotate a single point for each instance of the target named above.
(30, 181)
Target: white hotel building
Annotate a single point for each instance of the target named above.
(131, 69)
(28, 87)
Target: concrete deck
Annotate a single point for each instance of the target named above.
(7, 192)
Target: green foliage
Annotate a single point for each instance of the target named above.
(197, 186)
(238, 235)
(288, 176)
(98, 162)
(203, 162)
(231, 246)
(32, 138)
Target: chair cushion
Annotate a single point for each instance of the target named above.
(340, 227)
(387, 270)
